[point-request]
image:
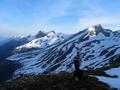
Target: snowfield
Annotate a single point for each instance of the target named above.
(99, 47)
(44, 41)
(113, 82)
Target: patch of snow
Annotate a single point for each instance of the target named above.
(113, 82)
(118, 51)
(91, 28)
(98, 37)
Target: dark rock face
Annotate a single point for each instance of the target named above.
(7, 49)
(98, 28)
(7, 69)
(40, 34)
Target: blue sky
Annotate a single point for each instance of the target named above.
(23, 17)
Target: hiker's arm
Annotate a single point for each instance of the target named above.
(72, 62)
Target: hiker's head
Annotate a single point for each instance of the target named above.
(78, 52)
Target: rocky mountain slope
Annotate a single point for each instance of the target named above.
(99, 48)
(8, 45)
(14, 45)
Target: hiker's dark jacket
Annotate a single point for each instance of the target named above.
(77, 62)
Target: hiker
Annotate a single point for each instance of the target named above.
(77, 72)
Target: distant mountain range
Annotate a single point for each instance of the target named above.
(41, 40)
(8, 45)
(52, 52)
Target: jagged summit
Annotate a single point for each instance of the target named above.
(42, 40)
(40, 34)
(96, 29)
(52, 31)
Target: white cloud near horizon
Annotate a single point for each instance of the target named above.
(112, 22)
(97, 14)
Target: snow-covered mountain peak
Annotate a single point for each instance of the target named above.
(42, 42)
(93, 30)
(96, 29)
(51, 33)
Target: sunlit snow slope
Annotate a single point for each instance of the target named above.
(99, 47)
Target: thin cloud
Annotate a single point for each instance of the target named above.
(69, 16)
(97, 14)
(85, 22)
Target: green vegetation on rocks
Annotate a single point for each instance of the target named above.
(61, 81)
